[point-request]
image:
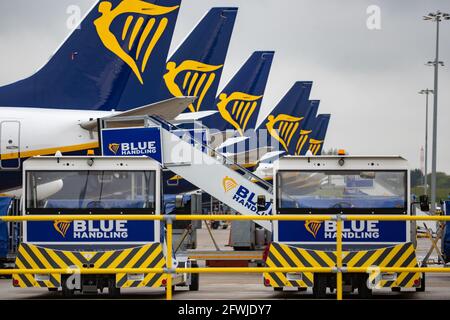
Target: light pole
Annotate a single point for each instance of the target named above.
(426, 92)
(435, 17)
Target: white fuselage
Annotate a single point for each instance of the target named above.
(28, 132)
(45, 130)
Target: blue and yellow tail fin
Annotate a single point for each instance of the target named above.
(196, 66)
(317, 138)
(284, 123)
(293, 103)
(115, 59)
(302, 136)
(239, 103)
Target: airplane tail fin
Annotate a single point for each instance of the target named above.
(302, 104)
(294, 102)
(283, 124)
(196, 66)
(301, 137)
(240, 101)
(114, 59)
(311, 114)
(318, 137)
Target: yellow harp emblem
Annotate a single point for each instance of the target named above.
(313, 227)
(136, 62)
(114, 147)
(315, 145)
(282, 128)
(62, 227)
(229, 184)
(237, 109)
(190, 78)
(304, 134)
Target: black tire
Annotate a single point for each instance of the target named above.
(278, 289)
(215, 225)
(302, 289)
(422, 284)
(320, 286)
(195, 279)
(242, 248)
(364, 292)
(396, 289)
(52, 289)
(173, 289)
(65, 291)
(113, 291)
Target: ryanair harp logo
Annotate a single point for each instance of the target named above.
(315, 145)
(62, 227)
(304, 134)
(190, 78)
(282, 128)
(313, 227)
(137, 60)
(229, 184)
(237, 109)
(114, 147)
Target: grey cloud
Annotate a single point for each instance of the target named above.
(367, 79)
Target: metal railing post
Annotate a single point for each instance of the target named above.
(339, 257)
(169, 259)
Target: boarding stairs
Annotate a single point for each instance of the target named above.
(202, 166)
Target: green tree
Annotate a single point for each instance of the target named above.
(416, 178)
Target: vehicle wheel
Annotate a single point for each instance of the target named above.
(52, 289)
(278, 289)
(195, 279)
(173, 289)
(113, 291)
(242, 248)
(396, 289)
(215, 225)
(320, 286)
(302, 289)
(364, 292)
(66, 292)
(422, 284)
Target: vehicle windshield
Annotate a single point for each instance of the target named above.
(341, 190)
(90, 190)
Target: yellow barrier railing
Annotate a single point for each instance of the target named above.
(168, 219)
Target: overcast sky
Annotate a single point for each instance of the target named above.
(367, 79)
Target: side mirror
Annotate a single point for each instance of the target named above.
(261, 203)
(424, 203)
(179, 201)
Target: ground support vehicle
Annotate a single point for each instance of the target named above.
(342, 186)
(86, 185)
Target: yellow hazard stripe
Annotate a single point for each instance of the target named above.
(402, 255)
(31, 256)
(132, 262)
